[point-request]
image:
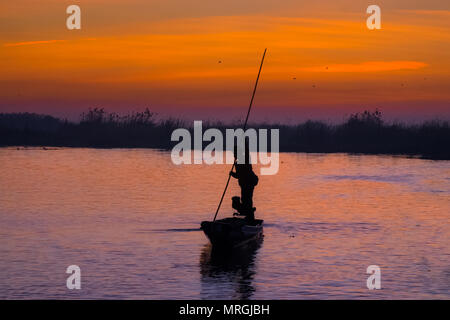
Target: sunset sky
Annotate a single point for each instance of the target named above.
(322, 61)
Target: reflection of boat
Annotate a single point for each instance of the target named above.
(228, 274)
(232, 232)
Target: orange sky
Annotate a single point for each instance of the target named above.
(322, 61)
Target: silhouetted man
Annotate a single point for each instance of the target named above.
(247, 181)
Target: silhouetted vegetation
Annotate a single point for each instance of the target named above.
(364, 132)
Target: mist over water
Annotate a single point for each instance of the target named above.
(130, 219)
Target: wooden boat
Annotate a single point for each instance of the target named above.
(232, 232)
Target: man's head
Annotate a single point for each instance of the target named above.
(242, 153)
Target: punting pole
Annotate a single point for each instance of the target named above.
(245, 126)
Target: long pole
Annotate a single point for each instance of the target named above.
(245, 126)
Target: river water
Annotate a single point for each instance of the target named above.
(129, 219)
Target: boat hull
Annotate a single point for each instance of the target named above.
(232, 232)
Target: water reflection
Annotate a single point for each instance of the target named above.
(228, 274)
(332, 216)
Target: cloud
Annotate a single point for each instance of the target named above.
(368, 66)
(27, 43)
(429, 12)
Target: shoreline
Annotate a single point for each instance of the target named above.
(361, 133)
(356, 153)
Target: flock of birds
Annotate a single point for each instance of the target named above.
(19, 94)
(314, 86)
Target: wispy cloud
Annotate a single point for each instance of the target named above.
(428, 12)
(28, 43)
(369, 66)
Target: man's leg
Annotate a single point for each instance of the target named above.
(247, 202)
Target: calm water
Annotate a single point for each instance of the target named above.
(129, 218)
